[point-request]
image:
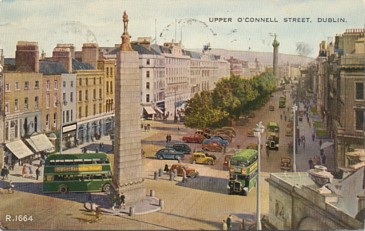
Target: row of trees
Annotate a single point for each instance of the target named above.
(231, 98)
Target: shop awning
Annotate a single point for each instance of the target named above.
(326, 145)
(19, 149)
(149, 110)
(158, 110)
(41, 143)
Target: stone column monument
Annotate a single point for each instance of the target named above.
(276, 44)
(127, 175)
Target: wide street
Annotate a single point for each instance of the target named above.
(201, 203)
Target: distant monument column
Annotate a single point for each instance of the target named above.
(276, 44)
(127, 175)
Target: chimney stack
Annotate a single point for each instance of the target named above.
(90, 54)
(27, 56)
(62, 54)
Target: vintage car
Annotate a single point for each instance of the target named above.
(181, 147)
(226, 164)
(169, 153)
(201, 158)
(190, 172)
(211, 145)
(204, 133)
(220, 139)
(224, 132)
(250, 132)
(285, 163)
(207, 154)
(196, 138)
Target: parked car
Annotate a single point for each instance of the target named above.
(201, 158)
(169, 153)
(211, 145)
(226, 164)
(220, 139)
(181, 147)
(225, 132)
(196, 138)
(207, 154)
(190, 172)
(204, 133)
(224, 136)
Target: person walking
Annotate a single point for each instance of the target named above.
(24, 171)
(166, 168)
(224, 225)
(122, 200)
(310, 162)
(30, 171)
(167, 138)
(323, 158)
(242, 224)
(3, 172)
(229, 222)
(37, 172)
(184, 175)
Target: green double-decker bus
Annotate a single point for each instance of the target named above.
(282, 102)
(85, 172)
(272, 135)
(242, 172)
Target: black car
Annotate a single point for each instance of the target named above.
(181, 147)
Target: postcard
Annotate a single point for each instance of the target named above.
(182, 115)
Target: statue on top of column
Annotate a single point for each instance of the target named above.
(126, 45)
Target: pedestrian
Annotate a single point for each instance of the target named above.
(97, 150)
(184, 175)
(167, 138)
(148, 127)
(310, 162)
(100, 147)
(303, 144)
(166, 169)
(323, 158)
(224, 225)
(320, 142)
(242, 224)
(313, 136)
(6, 172)
(37, 172)
(299, 141)
(115, 200)
(122, 200)
(3, 172)
(229, 222)
(145, 127)
(30, 170)
(24, 171)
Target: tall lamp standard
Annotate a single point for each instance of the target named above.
(58, 103)
(258, 132)
(175, 118)
(295, 108)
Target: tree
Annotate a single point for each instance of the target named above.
(201, 113)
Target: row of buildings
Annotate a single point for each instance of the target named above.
(338, 78)
(71, 93)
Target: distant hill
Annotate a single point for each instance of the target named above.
(266, 58)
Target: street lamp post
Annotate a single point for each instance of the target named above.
(175, 118)
(295, 108)
(258, 132)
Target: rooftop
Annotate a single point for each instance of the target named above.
(51, 68)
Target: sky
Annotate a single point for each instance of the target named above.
(49, 22)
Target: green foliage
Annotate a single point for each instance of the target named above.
(231, 98)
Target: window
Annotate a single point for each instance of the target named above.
(26, 85)
(107, 71)
(86, 111)
(36, 84)
(63, 117)
(100, 108)
(55, 97)
(16, 85)
(87, 82)
(64, 97)
(99, 80)
(55, 120)
(7, 107)
(7, 87)
(148, 61)
(7, 131)
(94, 109)
(47, 100)
(94, 94)
(80, 82)
(72, 115)
(147, 85)
(72, 83)
(64, 83)
(16, 128)
(111, 87)
(71, 96)
(147, 98)
(100, 93)
(94, 80)
(359, 92)
(26, 103)
(86, 95)
(147, 74)
(36, 102)
(67, 116)
(48, 84)
(47, 121)
(359, 120)
(80, 95)
(107, 87)
(80, 111)
(16, 105)
(55, 84)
